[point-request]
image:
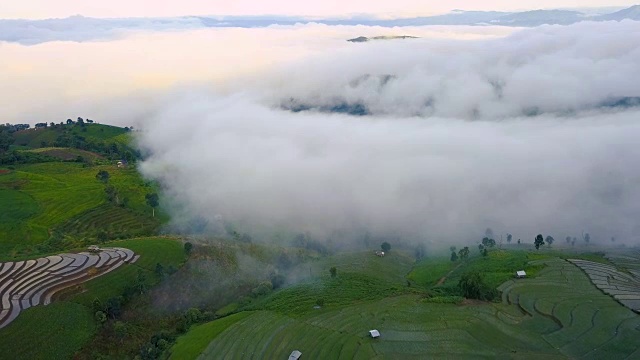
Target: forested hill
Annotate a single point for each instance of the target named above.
(17, 141)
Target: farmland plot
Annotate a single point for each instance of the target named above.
(558, 314)
(24, 284)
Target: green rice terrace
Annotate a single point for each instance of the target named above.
(90, 269)
(556, 314)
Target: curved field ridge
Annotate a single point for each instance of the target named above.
(558, 314)
(24, 284)
(624, 287)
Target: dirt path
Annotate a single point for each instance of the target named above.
(441, 281)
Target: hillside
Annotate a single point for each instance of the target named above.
(553, 315)
(51, 198)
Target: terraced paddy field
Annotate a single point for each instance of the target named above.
(58, 330)
(38, 198)
(556, 315)
(24, 284)
(622, 286)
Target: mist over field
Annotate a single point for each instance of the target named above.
(427, 139)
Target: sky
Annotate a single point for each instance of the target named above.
(38, 9)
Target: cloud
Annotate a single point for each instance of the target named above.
(522, 134)
(120, 80)
(80, 28)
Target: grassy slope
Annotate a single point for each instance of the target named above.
(70, 322)
(191, 345)
(361, 276)
(54, 194)
(67, 153)
(52, 332)
(165, 251)
(557, 314)
(33, 138)
(15, 208)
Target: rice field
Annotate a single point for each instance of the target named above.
(58, 330)
(557, 314)
(25, 284)
(622, 285)
(35, 199)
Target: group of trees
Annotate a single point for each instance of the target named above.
(114, 197)
(472, 286)
(6, 140)
(549, 240)
(539, 240)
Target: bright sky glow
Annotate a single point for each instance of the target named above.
(34, 9)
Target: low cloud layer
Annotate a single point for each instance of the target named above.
(80, 29)
(535, 132)
(119, 81)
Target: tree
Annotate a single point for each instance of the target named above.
(69, 121)
(452, 248)
(485, 252)
(488, 242)
(568, 239)
(509, 237)
(141, 282)
(187, 247)
(277, 280)
(539, 241)
(480, 247)
(587, 238)
(333, 271)
(488, 233)
(102, 236)
(100, 317)
(473, 286)
(463, 253)
(5, 139)
(192, 316)
(320, 302)
(159, 270)
(80, 121)
(549, 240)
(385, 246)
(114, 307)
(613, 239)
(96, 305)
(103, 176)
(454, 256)
(153, 201)
(121, 330)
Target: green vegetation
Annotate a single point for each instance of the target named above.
(56, 331)
(191, 345)
(152, 251)
(60, 190)
(69, 322)
(554, 315)
(62, 205)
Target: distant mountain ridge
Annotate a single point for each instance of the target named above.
(80, 28)
(365, 39)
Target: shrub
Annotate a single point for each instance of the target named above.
(473, 286)
(263, 289)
